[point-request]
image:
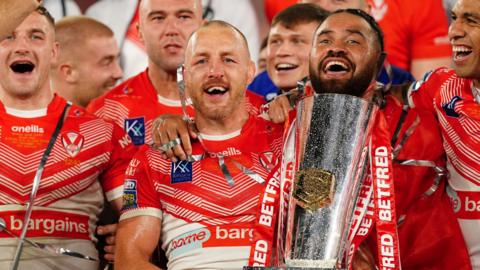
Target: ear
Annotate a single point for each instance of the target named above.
(69, 73)
(251, 71)
(368, 8)
(139, 33)
(55, 51)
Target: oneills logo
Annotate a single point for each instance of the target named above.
(72, 142)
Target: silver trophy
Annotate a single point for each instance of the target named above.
(331, 132)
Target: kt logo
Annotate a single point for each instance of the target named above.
(135, 128)
(181, 172)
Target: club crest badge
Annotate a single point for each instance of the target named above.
(73, 142)
(268, 160)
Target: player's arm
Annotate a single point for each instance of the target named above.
(121, 152)
(137, 238)
(140, 223)
(13, 12)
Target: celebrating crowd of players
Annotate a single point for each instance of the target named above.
(60, 160)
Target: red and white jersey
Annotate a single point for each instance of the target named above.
(135, 104)
(451, 99)
(89, 155)
(206, 221)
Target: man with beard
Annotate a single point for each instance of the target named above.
(204, 209)
(453, 95)
(346, 47)
(347, 52)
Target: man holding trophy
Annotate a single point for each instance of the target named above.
(346, 53)
(339, 207)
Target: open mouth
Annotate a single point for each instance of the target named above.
(336, 67)
(461, 52)
(22, 67)
(285, 67)
(216, 90)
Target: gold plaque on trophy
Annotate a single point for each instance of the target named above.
(314, 188)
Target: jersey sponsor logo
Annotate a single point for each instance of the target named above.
(130, 194)
(181, 172)
(48, 223)
(449, 107)
(72, 142)
(189, 241)
(466, 204)
(454, 199)
(231, 151)
(268, 160)
(217, 236)
(135, 128)
(27, 129)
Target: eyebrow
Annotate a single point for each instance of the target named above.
(37, 31)
(350, 31)
(324, 32)
(162, 12)
(184, 11)
(471, 15)
(355, 32)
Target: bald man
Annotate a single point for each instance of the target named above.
(87, 63)
(204, 210)
(12, 13)
(164, 27)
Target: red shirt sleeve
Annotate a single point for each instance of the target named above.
(121, 152)
(139, 195)
(423, 92)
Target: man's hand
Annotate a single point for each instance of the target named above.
(109, 232)
(171, 134)
(363, 259)
(278, 109)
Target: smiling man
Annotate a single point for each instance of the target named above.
(81, 163)
(204, 210)
(454, 96)
(288, 46)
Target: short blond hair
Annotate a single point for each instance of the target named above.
(72, 32)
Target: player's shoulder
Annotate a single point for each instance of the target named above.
(131, 89)
(152, 156)
(437, 77)
(82, 116)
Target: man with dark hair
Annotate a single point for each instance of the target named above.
(56, 162)
(347, 46)
(289, 42)
(453, 95)
(204, 209)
